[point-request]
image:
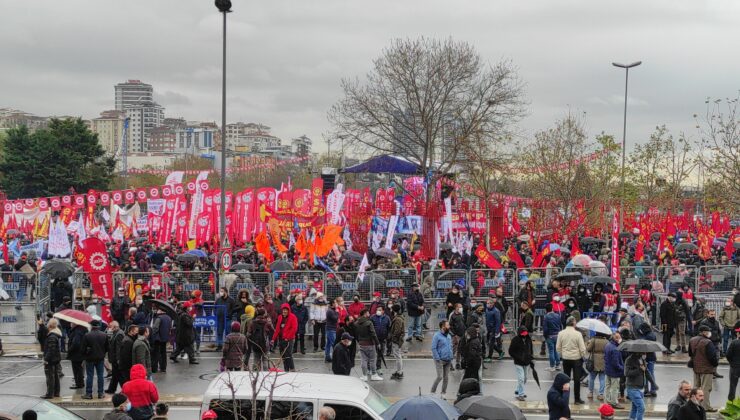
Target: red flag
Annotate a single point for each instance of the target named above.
(514, 256)
(640, 251)
(95, 262)
(575, 246)
(730, 246)
(486, 257)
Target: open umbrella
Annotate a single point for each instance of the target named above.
(625, 235)
(686, 246)
(602, 279)
(281, 265)
(641, 346)
(74, 316)
(57, 269)
(241, 267)
(569, 276)
(489, 407)
(385, 253)
(421, 407)
(198, 253)
(590, 240)
(242, 252)
(140, 240)
(523, 238)
(352, 255)
(597, 268)
(445, 246)
(187, 258)
(163, 305)
(593, 324)
(655, 236)
(581, 260)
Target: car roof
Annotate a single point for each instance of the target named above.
(17, 404)
(294, 385)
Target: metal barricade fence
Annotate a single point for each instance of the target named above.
(256, 283)
(292, 280)
(344, 284)
(441, 282)
(485, 282)
(638, 276)
(18, 306)
(716, 279)
(675, 275)
(541, 277)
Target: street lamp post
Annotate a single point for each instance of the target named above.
(224, 6)
(627, 68)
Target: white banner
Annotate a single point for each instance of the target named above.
(58, 240)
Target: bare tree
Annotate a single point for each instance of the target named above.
(720, 131)
(423, 99)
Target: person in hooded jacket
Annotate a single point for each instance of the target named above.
(668, 321)
(558, 396)
(260, 331)
(286, 329)
(493, 322)
(76, 354)
(301, 313)
(469, 387)
(141, 392)
(521, 352)
(472, 352)
(595, 348)
(52, 359)
(235, 348)
(454, 296)
(583, 299)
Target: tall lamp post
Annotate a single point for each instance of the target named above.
(224, 6)
(627, 68)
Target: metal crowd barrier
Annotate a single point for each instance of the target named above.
(717, 279)
(19, 305)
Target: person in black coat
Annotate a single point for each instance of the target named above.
(115, 339)
(59, 289)
(95, 345)
(52, 359)
(415, 308)
(472, 352)
(521, 352)
(341, 360)
(558, 396)
(733, 358)
(76, 354)
(301, 313)
(161, 327)
(119, 306)
(125, 353)
(667, 320)
(693, 409)
(184, 337)
(453, 298)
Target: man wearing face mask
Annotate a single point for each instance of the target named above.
(382, 324)
(416, 310)
(442, 355)
(729, 316)
(224, 308)
(121, 407)
(457, 328)
(301, 313)
(583, 299)
(614, 369)
(668, 321)
(355, 307)
(395, 339)
(521, 352)
(704, 361)
(713, 324)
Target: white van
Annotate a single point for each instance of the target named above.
(295, 396)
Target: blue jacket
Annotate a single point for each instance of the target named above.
(163, 328)
(493, 320)
(442, 346)
(551, 325)
(382, 325)
(557, 399)
(300, 312)
(613, 363)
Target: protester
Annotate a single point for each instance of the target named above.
(52, 359)
(729, 316)
(94, 347)
(457, 328)
(668, 321)
(142, 393)
(551, 327)
(572, 349)
(142, 354)
(367, 341)
(716, 333)
(332, 321)
(704, 361)
(341, 359)
(224, 309)
(161, 328)
(596, 347)
(558, 397)
(694, 409)
(115, 340)
(355, 307)
(442, 355)
(415, 305)
(684, 390)
(317, 314)
(259, 337)
(614, 370)
(472, 352)
(125, 353)
(284, 336)
(120, 305)
(521, 352)
(681, 316)
(382, 324)
(160, 411)
(76, 354)
(121, 407)
(635, 369)
(184, 335)
(395, 339)
(733, 358)
(526, 316)
(235, 349)
(301, 313)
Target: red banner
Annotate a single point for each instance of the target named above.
(486, 257)
(93, 257)
(615, 250)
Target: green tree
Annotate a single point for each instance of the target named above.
(50, 161)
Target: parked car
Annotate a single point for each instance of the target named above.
(12, 407)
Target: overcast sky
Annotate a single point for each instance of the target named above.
(286, 57)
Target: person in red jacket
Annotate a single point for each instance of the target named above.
(286, 328)
(141, 392)
(356, 307)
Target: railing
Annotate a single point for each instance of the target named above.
(19, 305)
(717, 279)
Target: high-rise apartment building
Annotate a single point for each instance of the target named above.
(132, 92)
(109, 128)
(301, 146)
(144, 116)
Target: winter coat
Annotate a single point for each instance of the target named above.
(557, 399)
(225, 307)
(397, 330)
(713, 325)
(95, 345)
(634, 375)
(126, 353)
(184, 333)
(365, 332)
(457, 324)
(119, 305)
(141, 392)
(332, 319)
(161, 327)
(235, 347)
(52, 347)
(733, 354)
(583, 300)
(691, 411)
(493, 319)
(263, 323)
(114, 344)
(703, 354)
(551, 325)
(288, 331)
(413, 301)
(674, 406)
(442, 346)
(613, 362)
(355, 308)
(596, 347)
(142, 354)
(382, 325)
(301, 314)
(117, 415)
(667, 314)
(520, 350)
(570, 344)
(527, 319)
(341, 360)
(76, 349)
(729, 316)
(452, 300)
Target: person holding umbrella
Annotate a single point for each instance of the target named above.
(521, 352)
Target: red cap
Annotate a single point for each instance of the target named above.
(210, 414)
(606, 410)
(376, 294)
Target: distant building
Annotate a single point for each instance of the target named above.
(132, 92)
(109, 128)
(144, 116)
(301, 146)
(12, 118)
(237, 134)
(194, 140)
(162, 139)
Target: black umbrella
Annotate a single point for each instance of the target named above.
(381, 355)
(140, 240)
(655, 236)
(242, 252)
(352, 255)
(444, 246)
(602, 279)
(281, 265)
(685, 246)
(57, 269)
(163, 305)
(385, 253)
(569, 276)
(489, 408)
(241, 267)
(535, 375)
(187, 258)
(641, 346)
(590, 240)
(623, 235)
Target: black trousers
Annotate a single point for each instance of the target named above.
(52, 371)
(115, 379)
(78, 373)
(189, 350)
(734, 375)
(286, 352)
(300, 342)
(573, 369)
(667, 336)
(381, 350)
(319, 328)
(159, 356)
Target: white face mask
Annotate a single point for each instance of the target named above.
(459, 310)
(379, 313)
(709, 334)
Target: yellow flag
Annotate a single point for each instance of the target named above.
(191, 244)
